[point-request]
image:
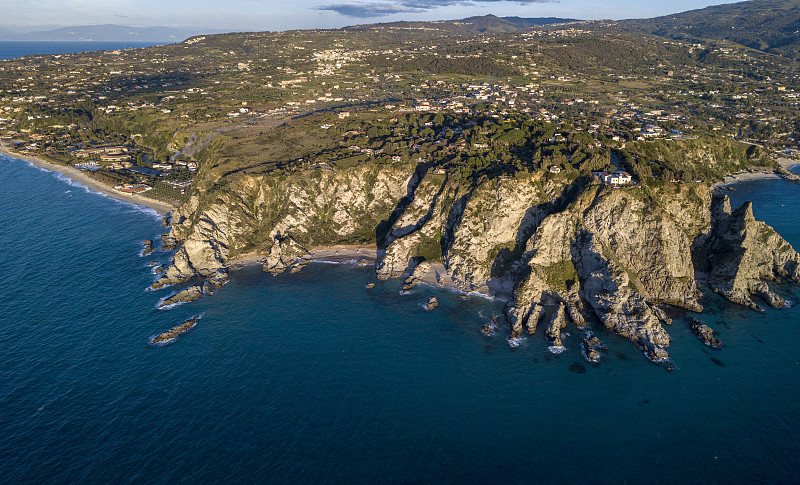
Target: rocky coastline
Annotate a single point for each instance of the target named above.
(560, 252)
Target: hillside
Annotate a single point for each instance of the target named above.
(486, 24)
(768, 25)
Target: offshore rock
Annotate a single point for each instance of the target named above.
(705, 334)
(189, 294)
(591, 347)
(370, 285)
(165, 221)
(432, 303)
(490, 328)
(148, 247)
(177, 330)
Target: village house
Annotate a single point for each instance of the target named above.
(133, 188)
(120, 165)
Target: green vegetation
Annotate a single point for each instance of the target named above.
(561, 275)
(479, 99)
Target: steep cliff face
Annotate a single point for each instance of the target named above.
(281, 217)
(568, 250)
(740, 253)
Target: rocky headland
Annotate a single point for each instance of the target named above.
(561, 251)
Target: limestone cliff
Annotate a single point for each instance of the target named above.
(740, 253)
(558, 248)
(280, 217)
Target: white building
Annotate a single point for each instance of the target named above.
(616, 178)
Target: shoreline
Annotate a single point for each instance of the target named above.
(744, 177)
(435, 277)
(163, 208)
(786, 163)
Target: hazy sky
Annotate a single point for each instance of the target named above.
(232, 15)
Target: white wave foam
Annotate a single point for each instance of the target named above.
(170, 306)
(63, 178)
(160, 344)
(557, 349)
(516, 342)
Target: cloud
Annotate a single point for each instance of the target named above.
(382, 9)
(367, 10)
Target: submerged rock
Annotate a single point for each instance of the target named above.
(705, 334)
(177, 330)
(432, 303)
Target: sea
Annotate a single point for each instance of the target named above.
(14, 49)
(311, 378)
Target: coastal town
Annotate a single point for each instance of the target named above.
(146, 120)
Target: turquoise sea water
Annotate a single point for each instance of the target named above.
(312, 378)
(14, 49)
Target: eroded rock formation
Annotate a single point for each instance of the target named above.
(550, 247)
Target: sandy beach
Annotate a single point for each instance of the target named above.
(744, 177)
(76, 175)
(435, 276)
(786, 163)
(333, 254)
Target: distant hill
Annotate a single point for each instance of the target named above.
(105, 33)
(768, 25)
(494, 24)
(487, 24)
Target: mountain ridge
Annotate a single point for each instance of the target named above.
(771, 26)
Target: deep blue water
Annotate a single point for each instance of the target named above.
(312, 378)
(14, 49)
